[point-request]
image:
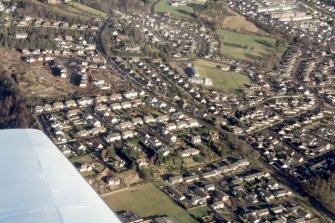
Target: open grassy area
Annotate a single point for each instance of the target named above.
(87, 9)
(182, 10)
(146, 200)
(226, 81)
(245, 46)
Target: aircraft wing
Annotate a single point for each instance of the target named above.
(39, 185)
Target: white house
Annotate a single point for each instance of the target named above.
(128, 134)
(116, 106)
(125, 105)
(113, 137)
(70, 104)
(130, 94)
(85, 168)
(218, 205)
(113, 181)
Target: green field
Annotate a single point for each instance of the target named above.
(87, 9)
(146, 200)
(226, 81)
(182, 10)
(247, 45)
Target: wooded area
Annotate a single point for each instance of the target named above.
(212, 13)
(13, 107)
(323, 188)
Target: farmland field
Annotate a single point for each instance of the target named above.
(245, 46)
(226, 81)
(146, 200)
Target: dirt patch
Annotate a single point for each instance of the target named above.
(34, 79)
(129, 177)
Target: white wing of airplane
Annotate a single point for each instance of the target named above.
(39, 185)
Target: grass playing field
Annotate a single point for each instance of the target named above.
(182, 10)
(146, 200)
(245, 46)
(226, 81)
